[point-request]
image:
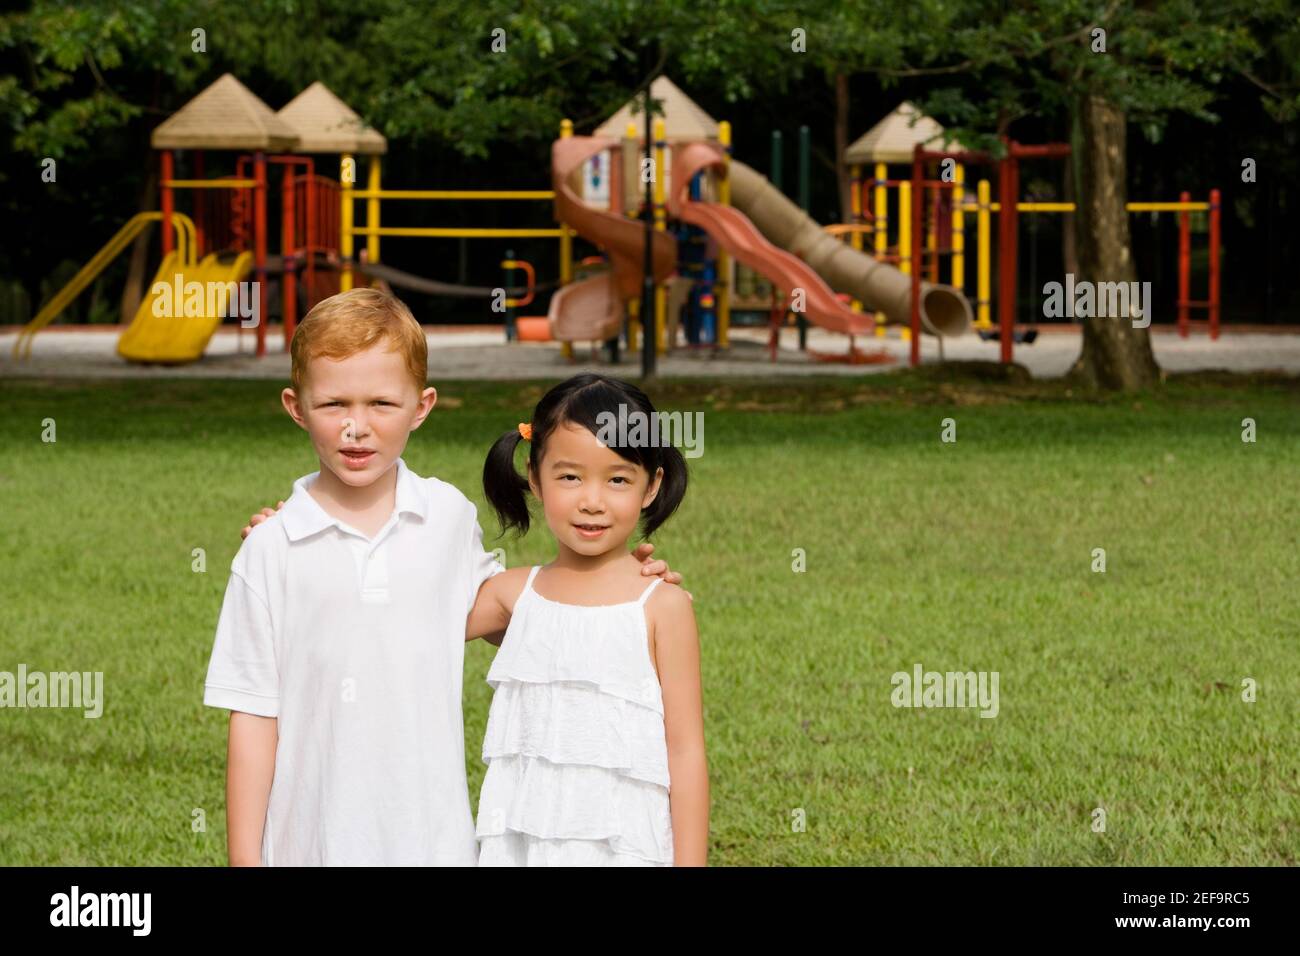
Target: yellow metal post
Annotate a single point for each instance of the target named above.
(882, 231)
(905, 238)
(347, 173)
(958, 227)
(372, 211)
(566, 244)
(661, 225)
(930, 218)
(983, 319)
(722, 285)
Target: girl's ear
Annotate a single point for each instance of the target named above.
(532, 482)
(652, 492)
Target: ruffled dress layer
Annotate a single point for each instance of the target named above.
(577, 759)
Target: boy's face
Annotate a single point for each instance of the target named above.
(359, 412)
(592, 496)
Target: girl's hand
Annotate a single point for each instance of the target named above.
(657, 568)
(268, 513)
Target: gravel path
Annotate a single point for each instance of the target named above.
(482, 354)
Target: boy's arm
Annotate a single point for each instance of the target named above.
(677, 656)
(243, 678)
(250, 767)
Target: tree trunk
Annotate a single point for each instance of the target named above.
(842, 143)
(133, 291)
(1069, 238)
(1115, 355)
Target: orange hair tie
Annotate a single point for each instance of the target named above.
(526, 430)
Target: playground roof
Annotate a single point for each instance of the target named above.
(227, 115)
(325, 124)
(892, 139)
(684, 120)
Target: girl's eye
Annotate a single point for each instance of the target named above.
(620, 478)
(563, 477)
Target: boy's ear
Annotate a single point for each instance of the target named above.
(424, 404)
(289, 399)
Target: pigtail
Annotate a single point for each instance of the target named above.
(506, 490)
(672, 489)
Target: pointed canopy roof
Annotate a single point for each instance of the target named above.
(684, 120)
(325, 124)
(893, 138)
(227, 115)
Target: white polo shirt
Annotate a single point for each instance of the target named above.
(356, 646)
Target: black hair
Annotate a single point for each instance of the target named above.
(583, 400)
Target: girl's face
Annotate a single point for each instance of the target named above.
(591, 495)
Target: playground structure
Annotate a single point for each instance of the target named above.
(226, 238)
(823, 274)
(938, 214)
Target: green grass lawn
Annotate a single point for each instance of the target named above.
(1119, 690)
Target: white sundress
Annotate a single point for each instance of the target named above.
(577, 759)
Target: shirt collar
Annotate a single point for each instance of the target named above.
(303, 515)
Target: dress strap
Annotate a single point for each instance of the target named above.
(528, 585)
(646, 593)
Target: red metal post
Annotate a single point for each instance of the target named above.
(311, 241)
(289, 274)
(1184, 265)
(1007, 186)
(918, 203)
(1214, 263)
(166, 171)
(259, 246)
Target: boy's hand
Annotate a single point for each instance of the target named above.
(657, 568)
(268, 513)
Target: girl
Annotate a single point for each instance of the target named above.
(595, 737)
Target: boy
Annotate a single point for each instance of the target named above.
(340, 646)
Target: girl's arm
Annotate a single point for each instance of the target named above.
(250, 767)
(677, 656)
(488, 618)
(490, 615)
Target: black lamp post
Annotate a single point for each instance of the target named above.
(648, 283)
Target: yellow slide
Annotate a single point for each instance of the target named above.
(164, 329)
